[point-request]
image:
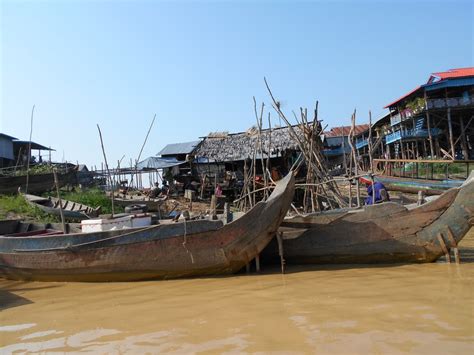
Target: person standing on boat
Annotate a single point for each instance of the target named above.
(381, 193)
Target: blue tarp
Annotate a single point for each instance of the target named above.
(158, 163)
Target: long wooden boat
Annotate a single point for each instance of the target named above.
(71, 210)
(412, 185)
(37, 183)
(382, 233)
(189, 248)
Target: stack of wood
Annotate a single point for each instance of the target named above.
(320, 189)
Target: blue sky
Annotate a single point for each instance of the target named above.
(197, 64)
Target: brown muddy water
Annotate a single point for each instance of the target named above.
(425, 308)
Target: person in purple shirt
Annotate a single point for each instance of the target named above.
(381, 194)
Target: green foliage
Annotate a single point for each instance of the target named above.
(17, 207)
(416, 105)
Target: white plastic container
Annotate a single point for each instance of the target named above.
(131, 221)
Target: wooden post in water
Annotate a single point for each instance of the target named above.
(257, 263)
(279, 237)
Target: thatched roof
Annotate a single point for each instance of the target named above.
(240, 146)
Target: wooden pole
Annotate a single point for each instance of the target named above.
(143, 146)
(61, 212)
(465, 151)
(29, 151)
(107, 167)
(356, 165)
(371, 160)
(450, 128)
(279, 237)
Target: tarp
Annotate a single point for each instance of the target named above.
(153, 163)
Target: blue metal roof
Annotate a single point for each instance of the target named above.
(6, 136)
(179, 148)
(450, 83)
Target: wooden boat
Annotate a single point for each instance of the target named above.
(71, 210)
(412, 185)
(37, 183)
(189, 248)
(382, 233)
(152, 205)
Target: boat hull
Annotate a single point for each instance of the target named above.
(37, 184)
(186, 249)
(429, 187)
(384, 233)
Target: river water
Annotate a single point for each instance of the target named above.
(427, 308)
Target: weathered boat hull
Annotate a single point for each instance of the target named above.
(185, 249)
(38, 183)
(384, 233)
(429, 187)
(71, 210)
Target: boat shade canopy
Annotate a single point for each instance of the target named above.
(153, 163)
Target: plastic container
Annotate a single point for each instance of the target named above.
(102, 224)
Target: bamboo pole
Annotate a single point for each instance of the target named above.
(29, 151)
(370, 144)
(107, 167)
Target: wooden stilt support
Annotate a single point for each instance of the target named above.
(279, 237)
(444, 248)
(257, 263)
(450, 129)
(454, 245)
(247, 268)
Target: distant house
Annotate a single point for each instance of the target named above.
(336, 142)
(6, 150)
(434, 119)
(13, 150)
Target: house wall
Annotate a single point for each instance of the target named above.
(6, 148)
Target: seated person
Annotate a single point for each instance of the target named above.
(155, 192)
(381, 193)
(165, 188)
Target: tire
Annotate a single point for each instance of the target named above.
(139, 208)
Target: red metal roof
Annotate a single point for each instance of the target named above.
(403, 97)
(344, 130)
(450, 74)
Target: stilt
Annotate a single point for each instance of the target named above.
(428, 125)
(444, 248)
(465, 151)
(450, 128)
(257, 263)
(279, 237)
(454, 245)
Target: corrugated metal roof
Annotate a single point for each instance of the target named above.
(179, 148)
(452, 73)
(35, 146)
(344, 130)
